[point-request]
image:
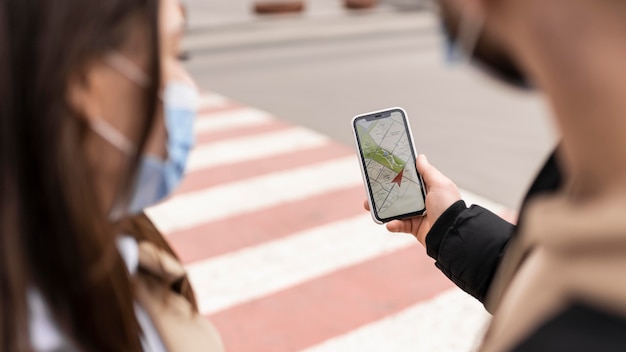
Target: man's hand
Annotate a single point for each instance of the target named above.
(441, 194)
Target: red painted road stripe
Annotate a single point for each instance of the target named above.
(317, 310)
(231, 234)
(212, 137)
(230, 173)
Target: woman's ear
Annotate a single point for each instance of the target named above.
(82, 95)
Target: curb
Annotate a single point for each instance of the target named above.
(278, 7)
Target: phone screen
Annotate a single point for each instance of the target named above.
(388, 160)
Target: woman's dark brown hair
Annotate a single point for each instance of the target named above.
(53, 235)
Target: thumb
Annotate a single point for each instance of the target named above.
(429, 173)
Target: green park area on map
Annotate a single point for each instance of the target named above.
(371, 150)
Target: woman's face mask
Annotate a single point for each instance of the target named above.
(156, 177)
(466, 41)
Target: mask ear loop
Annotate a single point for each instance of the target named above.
(126, 67)
(130, 70)
(469, 34)
(113, 136)
(135, 74)
(118, 140)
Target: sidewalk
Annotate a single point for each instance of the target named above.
(297, 31)
(270, 225)
(206, 15)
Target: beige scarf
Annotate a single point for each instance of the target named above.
(566, 252)
(179, 326)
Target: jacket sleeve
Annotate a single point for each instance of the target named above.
(467, 245)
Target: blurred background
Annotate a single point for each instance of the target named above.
(321, 67)
(269, 220)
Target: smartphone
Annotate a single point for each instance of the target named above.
(395, 189)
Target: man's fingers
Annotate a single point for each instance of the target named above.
(429, 173)
(396, 226)
(366, 205)
(411, 226)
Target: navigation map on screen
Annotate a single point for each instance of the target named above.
(390, 166)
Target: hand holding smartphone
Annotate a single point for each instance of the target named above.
(395, 189)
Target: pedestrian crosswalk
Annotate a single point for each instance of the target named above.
(284, 263)
(270, 225)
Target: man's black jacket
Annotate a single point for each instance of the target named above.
(468, 245)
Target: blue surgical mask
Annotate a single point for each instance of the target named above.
(157, 178)
(467, 43)
(461, 46)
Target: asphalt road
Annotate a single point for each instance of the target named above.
(320, 72)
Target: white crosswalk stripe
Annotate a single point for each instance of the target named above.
(245, 149)
(231, 119)
(212, 101)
